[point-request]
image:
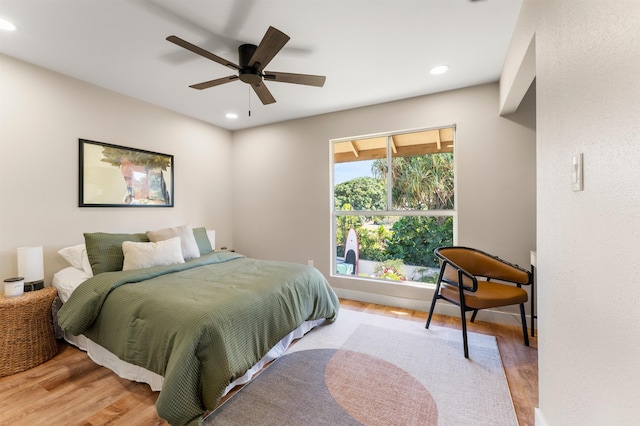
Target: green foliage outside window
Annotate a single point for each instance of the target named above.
(363, 193)
(421, 182)
(418, 183)
(414, 238)
(391, 270)
(373, 245)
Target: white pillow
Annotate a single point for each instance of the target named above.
(146, 255)
(67, 280)
(188, 242)
(77, 257)
(211, 234)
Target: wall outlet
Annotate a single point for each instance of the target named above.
(309, 262)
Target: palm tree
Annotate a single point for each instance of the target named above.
(421, 182)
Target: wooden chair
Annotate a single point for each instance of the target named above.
(465, 279)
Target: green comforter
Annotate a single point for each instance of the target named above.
(200, 324)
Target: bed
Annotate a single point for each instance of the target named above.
(194, 328)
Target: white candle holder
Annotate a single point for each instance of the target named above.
(13, 287)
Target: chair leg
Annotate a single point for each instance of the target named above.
(433, 304)
(464, 330)
(473, 316)
(523, 318)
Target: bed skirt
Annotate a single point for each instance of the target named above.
(125, 370)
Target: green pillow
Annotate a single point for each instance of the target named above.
(105, 250)
(204, 245)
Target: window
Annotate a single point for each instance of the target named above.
(393, 203)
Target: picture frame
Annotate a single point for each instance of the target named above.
(117, 176)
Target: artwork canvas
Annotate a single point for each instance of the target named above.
(117, 176)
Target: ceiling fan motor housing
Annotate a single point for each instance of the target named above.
(248, 74)
(252, 61)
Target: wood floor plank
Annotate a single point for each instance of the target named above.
(135, 407)
(70, 389)
(94, 396)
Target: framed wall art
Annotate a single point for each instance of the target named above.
(117, 176)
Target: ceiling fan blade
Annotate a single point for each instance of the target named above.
(263, 93)
(269, 46)
(216, 82)
(200, 51)
(285, 77)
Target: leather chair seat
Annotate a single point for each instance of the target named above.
(488, 295)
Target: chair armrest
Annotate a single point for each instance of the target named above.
(461, 273)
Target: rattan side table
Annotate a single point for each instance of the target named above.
(26, 338)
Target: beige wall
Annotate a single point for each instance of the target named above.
(281, 182)
(42, 116)
(587, 65)
(265, 190)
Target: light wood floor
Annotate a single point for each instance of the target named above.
(70, 389)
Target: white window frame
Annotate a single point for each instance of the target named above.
(427, 213)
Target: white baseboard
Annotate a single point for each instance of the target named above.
(442, 307)
(538, 418)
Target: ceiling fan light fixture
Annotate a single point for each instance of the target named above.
(250, 76)
(6, 25)
(440, 69)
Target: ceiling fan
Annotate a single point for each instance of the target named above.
(252, 61)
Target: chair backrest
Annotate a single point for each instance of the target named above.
(480, 264)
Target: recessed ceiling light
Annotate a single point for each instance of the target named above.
(440, 69)
(6, 25)
(231, 115)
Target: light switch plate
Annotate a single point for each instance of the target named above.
(577, 182)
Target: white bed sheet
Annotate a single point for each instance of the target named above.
(66, 280)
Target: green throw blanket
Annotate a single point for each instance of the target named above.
(200, 324)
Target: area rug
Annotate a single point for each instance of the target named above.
(373, 370)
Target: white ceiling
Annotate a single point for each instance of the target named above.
(371, 51)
